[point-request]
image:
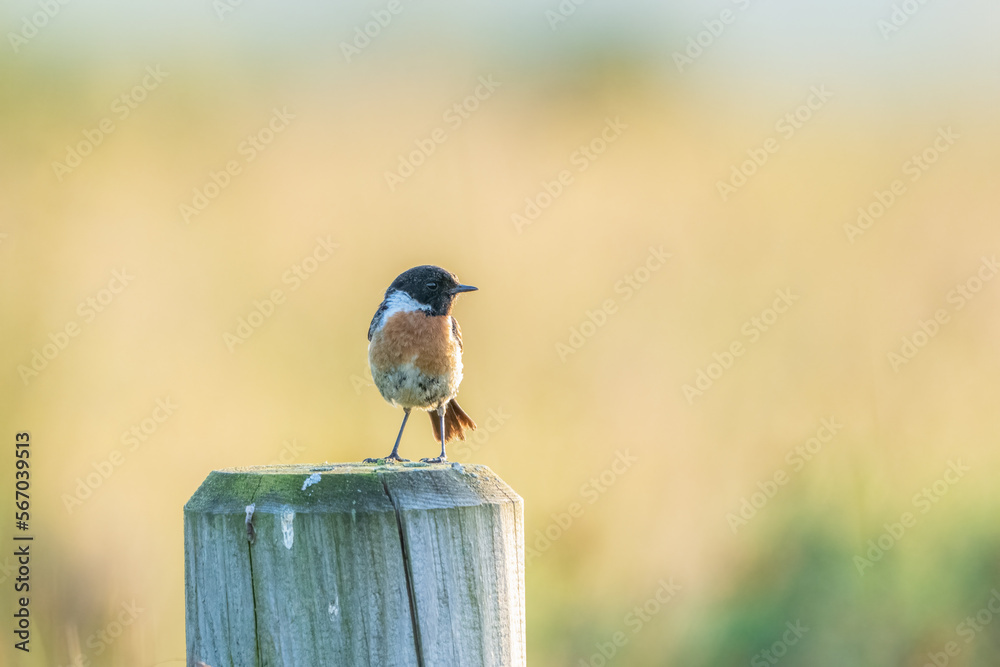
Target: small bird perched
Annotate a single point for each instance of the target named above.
(415, 352)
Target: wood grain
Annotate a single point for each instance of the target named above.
(367, 565)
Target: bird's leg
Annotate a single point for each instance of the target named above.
(394, 456)
(442, 458)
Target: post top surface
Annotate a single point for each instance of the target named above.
(334, 487)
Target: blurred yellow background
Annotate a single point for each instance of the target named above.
(735, 342)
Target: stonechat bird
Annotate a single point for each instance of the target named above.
(415, 352)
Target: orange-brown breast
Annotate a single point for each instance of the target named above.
(413, 337)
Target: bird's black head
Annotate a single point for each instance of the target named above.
(431, 286)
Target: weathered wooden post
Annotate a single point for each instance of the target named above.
(354, 564)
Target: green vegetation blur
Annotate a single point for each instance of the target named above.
(735, 339)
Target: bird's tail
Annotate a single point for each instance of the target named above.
(455, 422)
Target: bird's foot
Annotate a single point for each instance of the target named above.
(387, 459)
(436, 459)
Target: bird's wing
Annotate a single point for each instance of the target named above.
(457, 332)
(376, 319)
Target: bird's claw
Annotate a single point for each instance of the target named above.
(436, 459)
(386, 459)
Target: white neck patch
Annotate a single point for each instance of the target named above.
(401, 302)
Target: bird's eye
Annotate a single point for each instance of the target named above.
(432, 286)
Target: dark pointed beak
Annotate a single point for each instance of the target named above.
(463, 288)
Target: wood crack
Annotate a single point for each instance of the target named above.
(409, 578)
(253, 589)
